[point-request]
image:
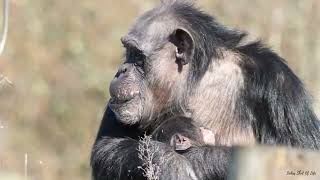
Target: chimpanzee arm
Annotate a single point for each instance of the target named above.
(117, 158)
(209, 162)
(115, 155)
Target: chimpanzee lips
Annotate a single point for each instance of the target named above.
(119, 101)
(122, 99)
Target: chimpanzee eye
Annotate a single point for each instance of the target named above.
(135, 56)
(138, 58)
(139, 62)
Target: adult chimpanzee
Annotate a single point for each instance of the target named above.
(179, 60)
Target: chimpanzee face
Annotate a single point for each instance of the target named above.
(154, 70)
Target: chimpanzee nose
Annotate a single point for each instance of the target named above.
(124, 68)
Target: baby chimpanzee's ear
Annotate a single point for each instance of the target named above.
(180, 142)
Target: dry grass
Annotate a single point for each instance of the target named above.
(146, 154)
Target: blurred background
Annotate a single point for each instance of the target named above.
(61, 55)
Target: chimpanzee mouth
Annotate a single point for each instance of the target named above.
(120, 101)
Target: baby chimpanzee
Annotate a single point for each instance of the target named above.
(182, 133)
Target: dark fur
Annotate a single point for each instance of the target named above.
(273, 103)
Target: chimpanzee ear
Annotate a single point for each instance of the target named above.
(184, 43)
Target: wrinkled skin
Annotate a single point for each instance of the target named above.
(146, 83)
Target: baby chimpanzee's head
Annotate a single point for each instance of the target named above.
(182, 133)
